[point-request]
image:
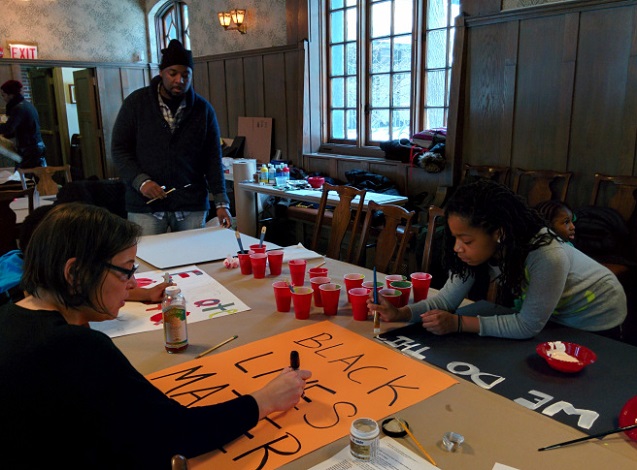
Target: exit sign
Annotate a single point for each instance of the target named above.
(23, 51)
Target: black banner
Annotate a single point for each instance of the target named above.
(589, 400)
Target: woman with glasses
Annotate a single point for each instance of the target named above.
(68, 395)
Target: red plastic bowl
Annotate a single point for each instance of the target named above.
(583, 355)
(316, 181)
(628, 416)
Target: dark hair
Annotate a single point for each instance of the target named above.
(491, 206)
(91, 235)
(30, 223)
(548, 210)
(11, 87)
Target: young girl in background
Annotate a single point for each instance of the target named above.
(559, 218)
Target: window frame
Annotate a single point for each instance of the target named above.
(363, 144)
(180, 9)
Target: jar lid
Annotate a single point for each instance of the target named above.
(392, 428)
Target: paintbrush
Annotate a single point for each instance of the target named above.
(238, 235)
(262, 236)
(375, 297)
(592, 436)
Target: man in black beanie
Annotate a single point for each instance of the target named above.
(167, 149)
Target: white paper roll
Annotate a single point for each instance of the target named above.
(246, 212)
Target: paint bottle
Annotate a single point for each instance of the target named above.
(173, 308)
(363, 439)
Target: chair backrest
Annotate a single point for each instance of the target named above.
(492, 172)
(624, 198)
(392, 239)
(541, 185)
(8, 219)
(46, 186)
(436, 216)
(341, 219)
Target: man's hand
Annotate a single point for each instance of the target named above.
(152, 190)
(225, 219)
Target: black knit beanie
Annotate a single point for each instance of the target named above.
(11, 87)
(175, 54)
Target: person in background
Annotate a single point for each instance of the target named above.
(23, 125)
(12, 265)
(492, 233)
(166, 146)
(69, 392)
(559, 217)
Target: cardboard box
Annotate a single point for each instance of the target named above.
(258, 134)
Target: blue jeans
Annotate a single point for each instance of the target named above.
(151, 225)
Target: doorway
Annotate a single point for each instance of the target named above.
(66, 98)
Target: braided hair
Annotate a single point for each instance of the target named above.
(491, 206)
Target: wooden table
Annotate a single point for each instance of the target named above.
(495, 428)
(247, 221)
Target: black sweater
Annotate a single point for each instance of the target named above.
(143, 147)
(69, 397)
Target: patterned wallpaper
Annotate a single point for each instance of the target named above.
(115, 30)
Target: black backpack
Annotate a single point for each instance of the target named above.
(601, 233)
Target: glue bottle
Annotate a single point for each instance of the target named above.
(173, 308)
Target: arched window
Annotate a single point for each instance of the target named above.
(171, 22)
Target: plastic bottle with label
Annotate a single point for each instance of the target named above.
(286, 173)
(271, 174)
(173, 308)
(263, 174)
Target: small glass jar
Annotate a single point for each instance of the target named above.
(364, 439)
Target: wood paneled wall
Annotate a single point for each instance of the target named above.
(548, 87)
(257, 83)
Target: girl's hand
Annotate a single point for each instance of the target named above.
(439, 322)
(387, 311)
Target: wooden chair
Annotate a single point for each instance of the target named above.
(492, 172)
(624, 198)
(541, 185)
(436, 216)
(46, 186)
(8, 219)
(339, 219)
(392, 239)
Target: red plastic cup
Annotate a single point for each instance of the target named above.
(282, 295)
(391, 295)
(405, 291)
(275, 261)
(394, 277)
(420, 283)
(352, 280)
(258, 261)
(317, 272)
(369, 285)
(257, 249)
(330, 295)
(316, 282)
(358, 297)
(297, 271)
(302, 301)
(244, 262)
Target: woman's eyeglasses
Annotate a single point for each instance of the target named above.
(127, 272)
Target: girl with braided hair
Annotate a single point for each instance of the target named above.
(559, 218)
(491, 232)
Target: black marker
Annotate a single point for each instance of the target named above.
(295, 361)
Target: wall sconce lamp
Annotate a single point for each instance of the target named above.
(237, 17)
